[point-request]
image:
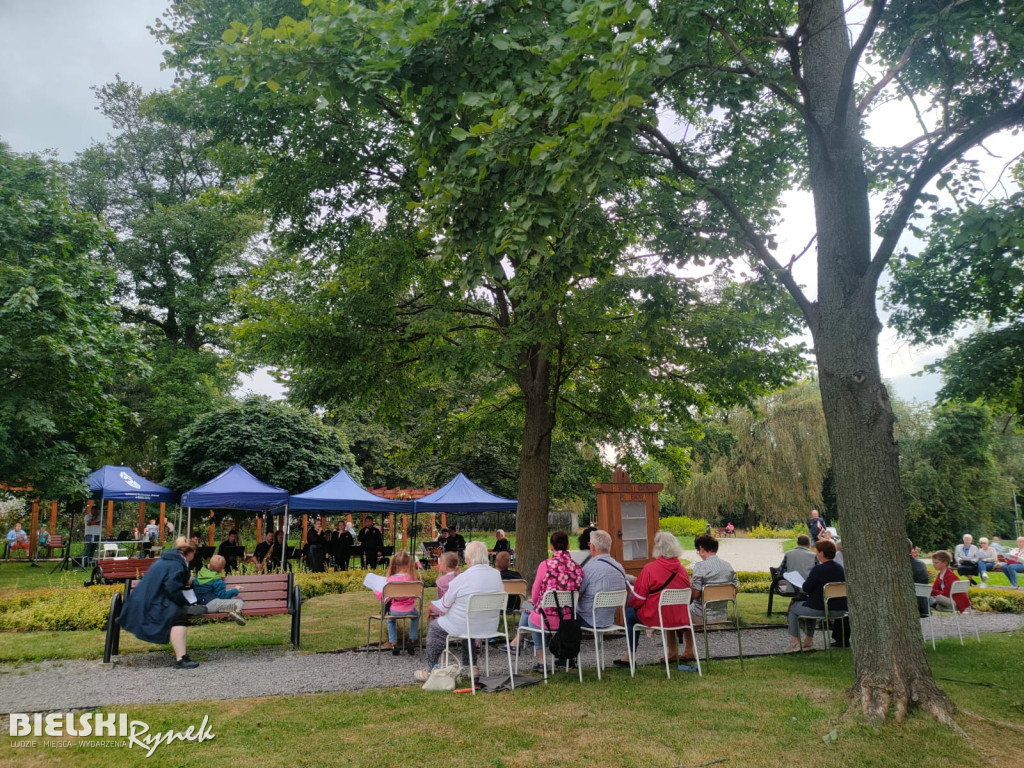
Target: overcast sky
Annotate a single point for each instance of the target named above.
(52, 53)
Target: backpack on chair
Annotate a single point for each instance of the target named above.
(565, 642)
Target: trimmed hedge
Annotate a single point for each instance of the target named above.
(683, 527)
(57, 610)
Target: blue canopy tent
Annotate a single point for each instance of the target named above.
(115, 483)
(461, 496)
(237, 488)
(343, 494)
(109, 483)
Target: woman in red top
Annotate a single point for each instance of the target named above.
(944, 583)
(666, 572)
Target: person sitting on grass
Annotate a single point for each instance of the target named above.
(401, 569)
(211, 591)
(943, 585)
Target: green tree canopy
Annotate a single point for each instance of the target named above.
(278, 444)
(59, 333)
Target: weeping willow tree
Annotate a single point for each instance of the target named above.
(769, 461)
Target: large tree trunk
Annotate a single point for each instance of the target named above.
(534, 462)
(892, 674)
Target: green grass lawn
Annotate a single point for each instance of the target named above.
(777, 713)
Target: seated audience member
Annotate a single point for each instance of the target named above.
(965, 556)
(730, 529)
(920, 572)
(988, 560)
(157, 611)
(1014, 564)
(16, 539)
(800, 559)
(825, 572)
(600, 574)
(665, 572)
(558, 572)
(448, 567)
(711, 570)
(42, 538)
(997, 545)
(152, 531)
(503, 564)
(401, 568)
(941, 588)
(231, 542)
(502, 544)
(211, 591)
(479, 577)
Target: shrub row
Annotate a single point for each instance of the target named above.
(683, 527)
(57, 610)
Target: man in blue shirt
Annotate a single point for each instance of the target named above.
(600, 574)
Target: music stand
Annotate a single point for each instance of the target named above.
(67, 560)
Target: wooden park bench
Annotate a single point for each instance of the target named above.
(264, 595)
(120, 569)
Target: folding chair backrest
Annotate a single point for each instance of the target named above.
(395, 589)
(616, 599)
(834, 590)
(923, 590)
(672, 597)
(714, 593)
(487, 601)
(959, 587)
(566, 599)
(515, 587)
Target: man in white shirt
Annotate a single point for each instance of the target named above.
(478, 578)
(966, 558)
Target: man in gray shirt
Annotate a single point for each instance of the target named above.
(800, 559)
(709, 571)
(600, 574)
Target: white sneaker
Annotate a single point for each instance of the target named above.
(984, 577)
(983, 585)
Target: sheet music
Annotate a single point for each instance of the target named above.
(190, 596)
(440, 606)
(375, 582)
(794, 578)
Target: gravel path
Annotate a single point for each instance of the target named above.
(147, 678)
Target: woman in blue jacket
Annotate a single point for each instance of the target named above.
(157, 610)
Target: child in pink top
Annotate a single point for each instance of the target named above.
(448, 565)
(401, 569)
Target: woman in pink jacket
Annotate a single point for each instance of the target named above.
(665, 572)
(559, 572)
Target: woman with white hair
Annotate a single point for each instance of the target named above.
(478, 578)
(665, 572)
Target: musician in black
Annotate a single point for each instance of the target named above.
(373, 542)
(259, 555)
(455, 543)
(232, 542)
(342, 545)
(316, 547)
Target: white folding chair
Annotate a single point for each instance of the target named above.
(485, 602)
(925, 591)
(721, 593)
(552, 599)
(667, 597)
(616, 599)
(109, 549)
(960, 588)
(515, 588)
